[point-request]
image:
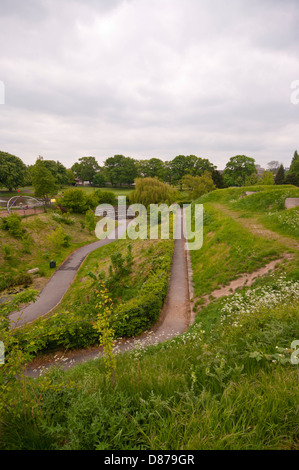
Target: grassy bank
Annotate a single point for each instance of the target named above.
(39, 242)
(227, 383)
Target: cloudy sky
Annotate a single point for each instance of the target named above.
(149, 78)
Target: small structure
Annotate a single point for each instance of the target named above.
(291, 202)
(22, 203)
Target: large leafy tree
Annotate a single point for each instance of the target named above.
(86, 168)
(199, 185)
(154, 167)
(99, 178)
(239, 170)
(12, 171)
(189, 165)
(58, 170)
(179, 167)
(43, 181)
(120, 170)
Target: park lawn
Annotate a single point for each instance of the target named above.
(26, 191)
(91, 189)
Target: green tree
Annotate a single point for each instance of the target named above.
(239, 169)
(70, 177)
(86, 168)
(201, 165)
(77, 201)
(120, 170)
(90, 221)
(198, 185)
(293, 173)
(218, 179)
(152, 191)
(12, 171)
(154, 167)
(280, 175)
(179, 167)
(43, 181)
(191, 165)
(268, 178)
(99, 178)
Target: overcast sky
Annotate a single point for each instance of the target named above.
(149, 78)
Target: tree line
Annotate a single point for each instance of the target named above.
(47, 175)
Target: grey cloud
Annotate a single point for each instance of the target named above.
(152, 78)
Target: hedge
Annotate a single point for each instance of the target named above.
(74, 329)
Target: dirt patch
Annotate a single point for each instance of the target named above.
(291, 202)
(256, 228)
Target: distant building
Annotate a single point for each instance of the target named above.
(260, 170)
(81, 183)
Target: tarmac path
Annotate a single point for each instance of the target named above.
(59, 283)
(174, 318)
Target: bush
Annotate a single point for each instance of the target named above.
(105, 197)
(59, 238)
(13, 280)
(75, 200)
(7, 252)
(27, 241)
(139, 313)
(90, 221)
(12, 223)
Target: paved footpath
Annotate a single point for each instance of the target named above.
(59, 283)
(174, 319)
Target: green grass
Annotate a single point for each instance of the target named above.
(206, 389)
(227, 383)
(26, 191)
(285, 222)
(90, 190)
(71, 324)
(265, 196)
(40, 250)
(228, 251)
(266, 201)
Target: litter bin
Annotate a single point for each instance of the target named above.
(52, 264)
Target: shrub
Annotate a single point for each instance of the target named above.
(13, 280)
(12, 223)
(27, 241)
(59, 238)
(7, 251)
(105, 197)
(90, 221)
(139, 313)
(75, 200)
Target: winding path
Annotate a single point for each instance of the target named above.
(177, 314)
(174, 318)
(61, 280)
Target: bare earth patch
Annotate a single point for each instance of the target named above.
(258, 229)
